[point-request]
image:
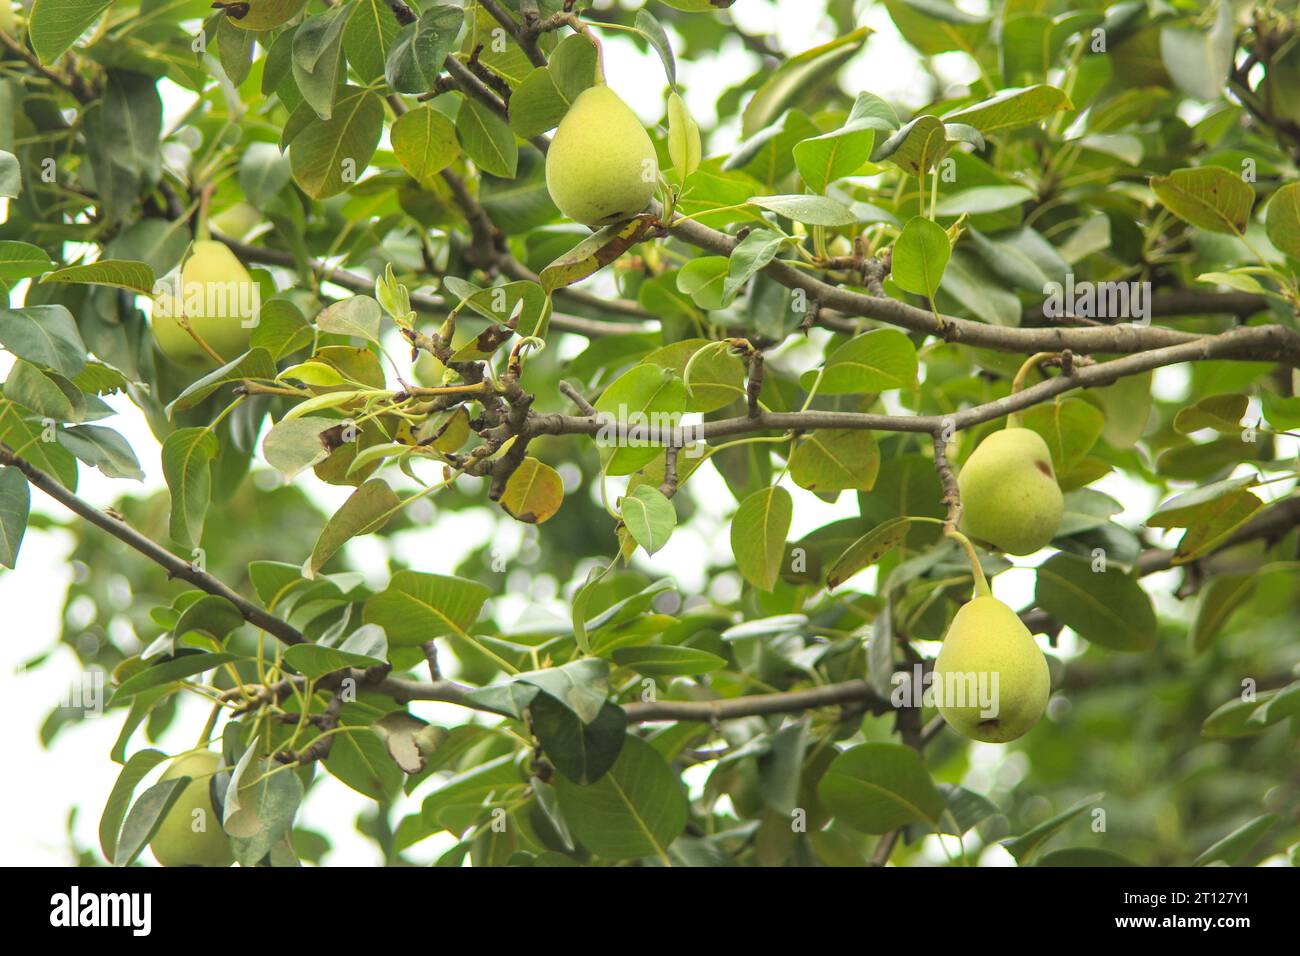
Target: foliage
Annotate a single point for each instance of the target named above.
(832, 311)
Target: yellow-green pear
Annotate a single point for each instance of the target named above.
(191, 834)
(1009, 493)
(264, 14)
(8, 21)
(601, 166)
(990, 679)
(217, 297)
(238, 220)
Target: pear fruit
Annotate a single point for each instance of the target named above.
(990, 678)
(8, 21)
(601, 166)
(217, 297)
(191, 834)
(1009, 493)
(265, 14)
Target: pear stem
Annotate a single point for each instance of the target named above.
(981, 582)
(1018, 383)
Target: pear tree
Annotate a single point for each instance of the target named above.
(657, 432)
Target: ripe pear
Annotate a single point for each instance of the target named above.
(265, 14)
(191, 834)
(601, 167)
(989, 655)
(1009, 494)
(217, 296)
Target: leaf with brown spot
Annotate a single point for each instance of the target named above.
(834, 459)
(533, 493)
(597, 251)
(867, 550)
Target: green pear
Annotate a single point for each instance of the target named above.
(217, 297)
(191, 834)
(265, 14)
(1009, 494)
(8, 21)
(601, 166)
(990, 678)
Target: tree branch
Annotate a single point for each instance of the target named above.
(356, 282)
(1254, 343)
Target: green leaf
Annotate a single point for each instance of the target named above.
(1199, 60)
(359, 759)
(750, 255)
(22, 260)
(369, 36)
(812, 210)
(170, 671)
(534, 492)
(1028, 843)
(294, 444)
(102, 447)
(1208, 197)
(649, 517)
(1070, 427)
(44, 335)
(110, 821)
(367, 646)
(419, 49)
(878, 787)
(15, 504)
(921, 253)
(649, 27)
(417, 607)
(546, 93)
(358, 315)
(796, 75)
(187, 456)
(317, 54)
(145, 816)
(867, 550)
(486, 139)
(583, 752)
(328, 156)
(872, 362)
(253, 364)
(667, 660)
(1216, 604)
(1233, 848)
(758, 532)
(832, 459)
(424, 141)
(54, 25)
(1107, 608)
(834, 155)
(917, 146)
(1012, 107)
(1220, 412)
(132, 276)
(211, 614)
(1283, 220)
(366, 511)
(937, 26)
(645, 395)
(633, 811)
